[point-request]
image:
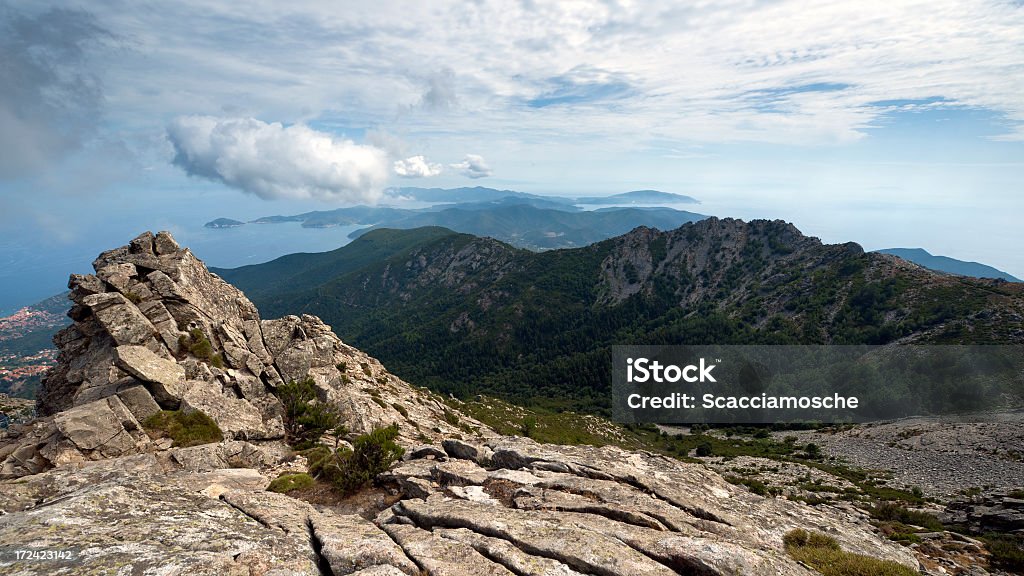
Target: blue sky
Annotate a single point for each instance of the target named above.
(885, 123)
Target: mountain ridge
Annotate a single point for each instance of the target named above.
(939, 263)
(465, 314)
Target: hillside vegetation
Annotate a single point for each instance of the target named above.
(469, 315)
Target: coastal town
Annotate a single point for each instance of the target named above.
(26, 349)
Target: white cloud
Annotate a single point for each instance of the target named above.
(416, 167)
(275, 161)
(473, 166)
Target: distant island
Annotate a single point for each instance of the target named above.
(223, 223)
(646, 196)
(922, 257)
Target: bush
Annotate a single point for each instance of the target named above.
(305, 418)
(528, 427)
(895, 513)
(801, 537)
(198, 345)
(1007, 550)
(824, 554)
(350, 470)
(287, 482)
(754, 485)
(704, 449)
(191, 429)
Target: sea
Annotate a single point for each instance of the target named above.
(31, 272)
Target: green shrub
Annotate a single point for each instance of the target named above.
(198, 345)
(451, 418)
(801, 537)
(185, 429)
(753, 484)
(350, 470)
(287, 482)
(704, 449)
(1007, 550)
(895, 513)
(824, 554)
(528, 426)
(306, 419)
(400, 409)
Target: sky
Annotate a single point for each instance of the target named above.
(891, 123)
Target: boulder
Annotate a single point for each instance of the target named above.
(120, 318)
(166, 378)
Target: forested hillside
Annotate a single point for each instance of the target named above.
(469, 315)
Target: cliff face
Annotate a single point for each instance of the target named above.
(155, 330)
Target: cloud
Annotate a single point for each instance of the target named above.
(440, 92)
(473, 166)
(275, 161)
(51, 99)
(416, 167)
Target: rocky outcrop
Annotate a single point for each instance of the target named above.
(996, 512)
(154, 329)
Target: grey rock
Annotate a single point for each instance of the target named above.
(164, 244)
(508, 555)
(236, 417)
(463, 450)
(140, 520)
(99, 426)
(442, 556)
(139, 402)
(350, 543)
(166, 377)
(419, 452)
(227, 454)
(120, 318)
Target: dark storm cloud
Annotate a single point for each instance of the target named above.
(50, 99)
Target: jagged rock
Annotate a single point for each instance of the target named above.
(165, 377)
(228, 454)
(120, 318)
(236, 417)
(139, 402)
(154, 316)
(164, 244)
(104, 427)
(427, 451)
(466, 451)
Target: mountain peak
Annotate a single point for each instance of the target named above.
(155, 330)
